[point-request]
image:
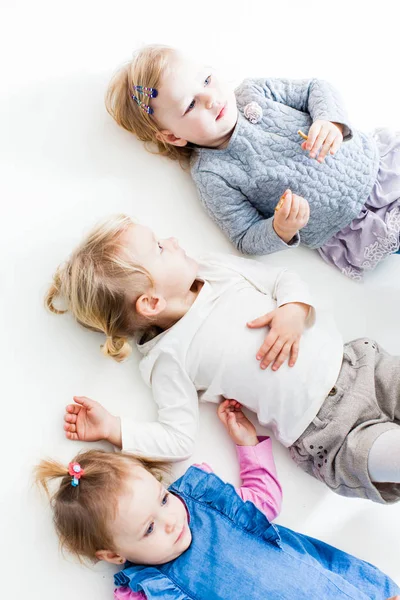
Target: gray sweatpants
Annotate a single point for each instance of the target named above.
(364, 403)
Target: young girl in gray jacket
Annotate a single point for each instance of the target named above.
(266, 186)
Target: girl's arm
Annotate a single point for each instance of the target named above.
(260, 482)
(282, 285)
(247, 228)
(172, 437)
(314, 96)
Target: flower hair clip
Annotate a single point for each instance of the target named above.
(76, 472)
(149, 92)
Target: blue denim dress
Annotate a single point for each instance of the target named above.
(237, 553)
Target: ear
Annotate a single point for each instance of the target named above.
(150, 306)
(169, 138)
(110, 557)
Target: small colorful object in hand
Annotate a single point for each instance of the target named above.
(76, 472)
(303, 135)
(280, 203)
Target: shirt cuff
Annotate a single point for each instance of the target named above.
(259, 453)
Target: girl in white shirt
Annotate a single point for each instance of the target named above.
(189, 319)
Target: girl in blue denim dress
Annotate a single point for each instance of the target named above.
(201, 538)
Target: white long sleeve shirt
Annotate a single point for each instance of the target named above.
(211, 353)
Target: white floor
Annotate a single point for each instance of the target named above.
(64, 164)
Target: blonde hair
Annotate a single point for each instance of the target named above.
(100, 286)
(146, 69)
(82, 514)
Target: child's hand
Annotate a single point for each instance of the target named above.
(286, 326)
(291, 216)
(89, 421)
(324, 136)
(240, 429)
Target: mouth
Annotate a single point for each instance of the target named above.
(180, 536)
(221, 113)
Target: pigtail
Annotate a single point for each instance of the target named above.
(55, 292)
(85, 501)
(116, 347)
(46, 471)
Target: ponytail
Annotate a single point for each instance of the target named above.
(99, 285)
(116, 347)
(55, 292)
(84, 509)
(48, 470)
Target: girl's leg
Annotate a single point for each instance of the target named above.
(384, 457)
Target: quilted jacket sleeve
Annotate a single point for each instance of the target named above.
(237, 217)
(315, 96)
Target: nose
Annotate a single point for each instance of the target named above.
(170, 526)
(174, 242)
(209, 100)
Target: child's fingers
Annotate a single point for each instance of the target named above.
(84, 401)
(267, 345)
(312, 135)
(232, 423)
(234, 403)
(68, 418)
(286, 206)
(222, 411)
(336, 144)
(326, 146)
(282, 356)
(262, 321)
(71, 436)
(71, 427)
(304, 213)
(294, 353)
(222, 406)
(73, 409)
(294, 209)
(272, 354)
(318, 142)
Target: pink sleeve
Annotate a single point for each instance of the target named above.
(260, 482)
(124, 593)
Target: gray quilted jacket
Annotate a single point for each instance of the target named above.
(241, 184)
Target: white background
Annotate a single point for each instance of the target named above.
(64, 164)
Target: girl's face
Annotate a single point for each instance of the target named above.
(151, 524)
(172, 271)
(193, 105)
